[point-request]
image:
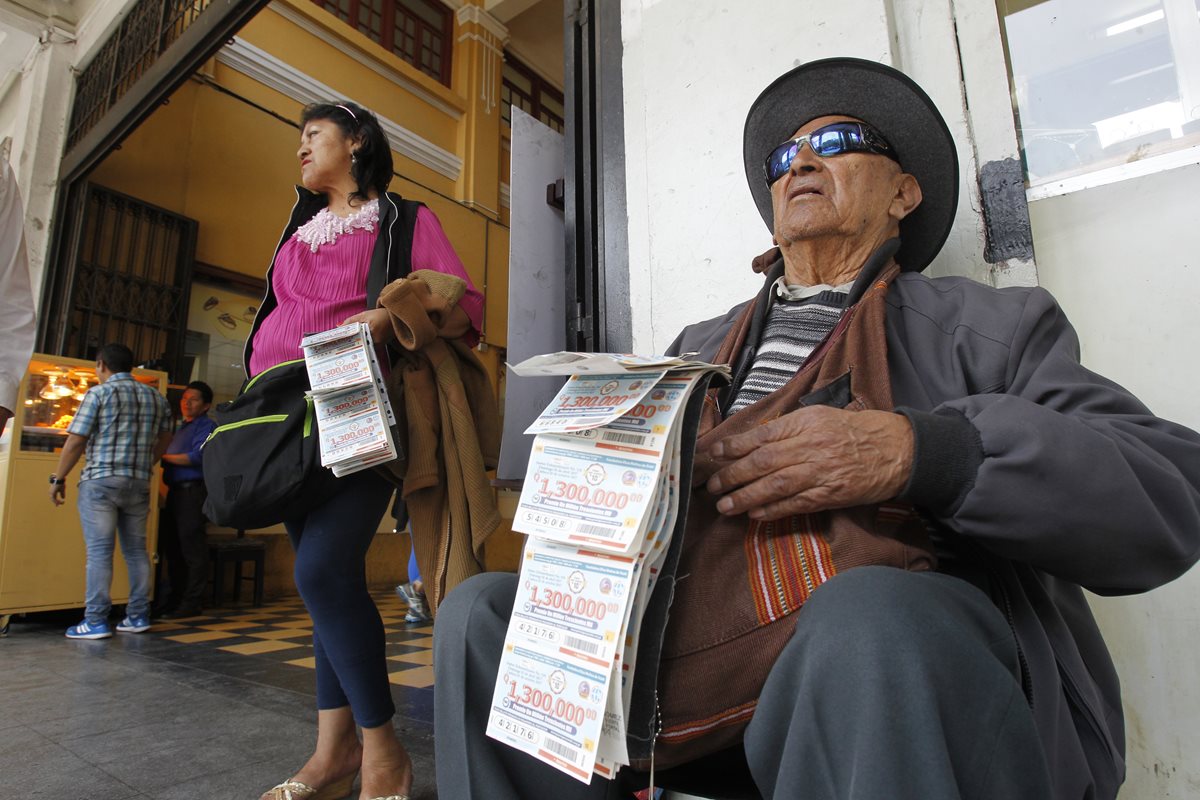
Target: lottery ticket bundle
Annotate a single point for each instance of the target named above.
(353, 414)
(599, 502)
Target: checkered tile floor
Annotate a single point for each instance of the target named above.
(282, 631)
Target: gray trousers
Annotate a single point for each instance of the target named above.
(895, 685)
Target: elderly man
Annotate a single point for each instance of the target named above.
(894, 508)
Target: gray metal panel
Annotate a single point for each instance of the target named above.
(614, 272)
(600, 318)
(536, 282)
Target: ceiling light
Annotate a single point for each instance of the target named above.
(1136, 22)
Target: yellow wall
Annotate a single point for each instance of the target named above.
(279, 37)
(231, 166)
(536, 37)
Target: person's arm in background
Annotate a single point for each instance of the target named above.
(160, 445)
(73, 448)
(164, 430)
(192, 454)
(82, 426)
(17, 322)
(431, 249)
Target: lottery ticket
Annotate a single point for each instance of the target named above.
(354, 434)
(549, 707)
(578, 495)
(353, 413)
(572, 602)
(589, 401)
(568, 363)
(337, 358)
(600, 501)
(594, 488)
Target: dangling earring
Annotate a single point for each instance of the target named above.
(354, 158)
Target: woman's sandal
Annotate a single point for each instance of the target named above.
(295, 790)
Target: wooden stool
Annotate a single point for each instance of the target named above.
(222, 551)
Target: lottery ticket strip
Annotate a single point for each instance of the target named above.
(600, 501)
(353, 413)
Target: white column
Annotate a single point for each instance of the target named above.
(1183, 26)
(47, 89)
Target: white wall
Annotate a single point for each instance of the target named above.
(691, 71)
(1124, 261)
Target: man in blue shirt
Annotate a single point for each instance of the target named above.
(124, 426)
(181, 532)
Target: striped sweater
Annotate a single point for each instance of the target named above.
(793, 329)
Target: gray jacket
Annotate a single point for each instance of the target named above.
(1042, 477)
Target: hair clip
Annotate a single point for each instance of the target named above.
(348, 111)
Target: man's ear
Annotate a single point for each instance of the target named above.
(908, 196)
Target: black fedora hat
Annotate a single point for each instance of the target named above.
(887, 99)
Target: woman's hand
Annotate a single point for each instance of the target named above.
(379, 321)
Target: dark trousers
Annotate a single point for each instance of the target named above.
(181, 538)
(895, 685)
(331, 544)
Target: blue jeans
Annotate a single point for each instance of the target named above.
(115, 508)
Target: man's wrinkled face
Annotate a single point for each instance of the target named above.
(850, 196)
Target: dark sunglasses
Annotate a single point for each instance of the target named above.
(829, 140)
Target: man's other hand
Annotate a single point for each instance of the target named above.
(58, 493)
(813, 459)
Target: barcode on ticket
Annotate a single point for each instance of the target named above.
(561, 750)
(595, 530)
(583, 645)
(624, 438)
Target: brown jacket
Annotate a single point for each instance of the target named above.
(450, 433)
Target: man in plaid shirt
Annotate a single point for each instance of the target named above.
(125, 427)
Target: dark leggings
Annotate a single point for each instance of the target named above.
(331, 545)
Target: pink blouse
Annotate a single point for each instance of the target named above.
(318, 291)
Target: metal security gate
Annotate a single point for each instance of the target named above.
(128, 278)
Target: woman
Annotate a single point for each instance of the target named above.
(347, 238)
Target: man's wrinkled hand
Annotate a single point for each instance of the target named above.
(813, 459)
(58, 493)
(379, 321)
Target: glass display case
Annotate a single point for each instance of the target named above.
(53, 391)
(42, 555)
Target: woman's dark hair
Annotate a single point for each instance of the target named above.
(372, 167)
